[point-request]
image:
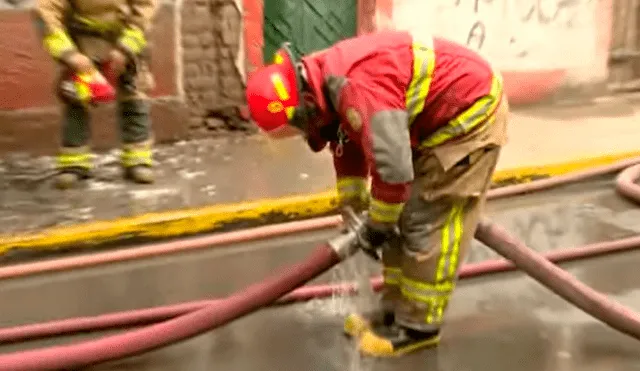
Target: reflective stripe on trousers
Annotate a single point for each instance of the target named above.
(435, 293)
(136, 157)
(74, 158)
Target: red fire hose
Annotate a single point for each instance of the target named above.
(141, 317)
(195, 318)
(177, 329)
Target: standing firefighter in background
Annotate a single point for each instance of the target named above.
(94, 39)
(425, 119)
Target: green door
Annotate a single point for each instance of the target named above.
(309, 25)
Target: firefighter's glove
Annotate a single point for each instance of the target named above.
(374, 237)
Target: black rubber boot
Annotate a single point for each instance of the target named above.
(395, 341)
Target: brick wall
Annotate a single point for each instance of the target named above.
(29, 114)
(213, 81)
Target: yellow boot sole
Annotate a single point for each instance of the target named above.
(355, 325)
(373, 345)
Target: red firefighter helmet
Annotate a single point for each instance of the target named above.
(273, 94)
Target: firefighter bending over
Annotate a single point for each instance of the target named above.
(425, 120)
(100, 44)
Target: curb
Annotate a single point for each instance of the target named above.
(188, 222)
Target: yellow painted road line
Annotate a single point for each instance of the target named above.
(212, 218)
(561, 168)
(173, 223)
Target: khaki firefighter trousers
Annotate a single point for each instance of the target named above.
(438, 223)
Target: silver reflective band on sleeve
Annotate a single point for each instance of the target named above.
(351, 186)
(384, 212)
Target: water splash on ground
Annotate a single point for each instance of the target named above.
(336, 348)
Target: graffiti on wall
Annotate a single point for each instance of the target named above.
(514, 34)
(560, 15)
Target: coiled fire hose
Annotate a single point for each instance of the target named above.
(192, 319)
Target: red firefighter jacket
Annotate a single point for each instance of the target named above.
(395, 95)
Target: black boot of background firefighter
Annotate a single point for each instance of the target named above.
(74, 159)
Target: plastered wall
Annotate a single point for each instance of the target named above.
(540, 46)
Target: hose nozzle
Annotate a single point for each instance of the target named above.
(346, 244)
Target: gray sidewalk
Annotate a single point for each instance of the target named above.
(234, 169)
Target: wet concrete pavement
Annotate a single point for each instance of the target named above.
(228, 170)
(502, 322)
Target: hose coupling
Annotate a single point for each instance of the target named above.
(347, 243)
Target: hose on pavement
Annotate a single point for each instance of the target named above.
(192, 319)
(179, 328)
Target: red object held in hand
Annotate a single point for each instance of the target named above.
(93, 88)
(109, 73)
(102, 92)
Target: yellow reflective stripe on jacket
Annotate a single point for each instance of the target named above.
(136, 157)
(451, 234)
(383, 212)
(424, 62)
(133, 39)
(66, 160)
(477, 114)
(351, 187)
(58, 43)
